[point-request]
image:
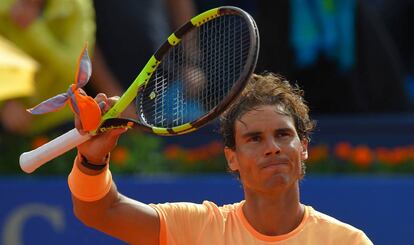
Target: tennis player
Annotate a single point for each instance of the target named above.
(266, 135)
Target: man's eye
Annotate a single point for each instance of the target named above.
(254, 138)
(283, 134)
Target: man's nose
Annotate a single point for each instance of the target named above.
(272, 147)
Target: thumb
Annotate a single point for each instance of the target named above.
(112, 137)
(117, 132)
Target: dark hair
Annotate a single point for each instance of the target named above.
(267, 89)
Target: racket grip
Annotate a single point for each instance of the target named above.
(31, 160)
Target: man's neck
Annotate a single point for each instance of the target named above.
(275, 214)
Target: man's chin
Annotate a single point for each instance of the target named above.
(279, 181)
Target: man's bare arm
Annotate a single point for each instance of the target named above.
(114, 214)
(121, 217)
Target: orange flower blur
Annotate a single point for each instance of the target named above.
(343, 150)
(362, 155)
(193, 155)
(120, 155)
(318, 153)
(39, 141)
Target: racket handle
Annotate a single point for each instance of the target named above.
(31, 160)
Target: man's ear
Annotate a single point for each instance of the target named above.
(304, 153)
(231, 159)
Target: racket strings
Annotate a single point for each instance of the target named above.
(197, 74)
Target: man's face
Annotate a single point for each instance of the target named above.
(268, 152)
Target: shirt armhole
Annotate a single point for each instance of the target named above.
(163, 230)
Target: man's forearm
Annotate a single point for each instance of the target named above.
(93, 214)
(93, 191)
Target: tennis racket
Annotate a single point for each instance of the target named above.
(189, 81)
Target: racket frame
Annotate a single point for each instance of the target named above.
(144, 76)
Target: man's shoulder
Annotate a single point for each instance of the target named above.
(329, 222)
(322, 218)
(334, 230)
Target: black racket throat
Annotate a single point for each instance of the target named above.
(114, 123)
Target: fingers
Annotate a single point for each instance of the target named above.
(101, 99)
(78, 126)
(98, 148)
(112, 100)
(104, 102)
(102, 143)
